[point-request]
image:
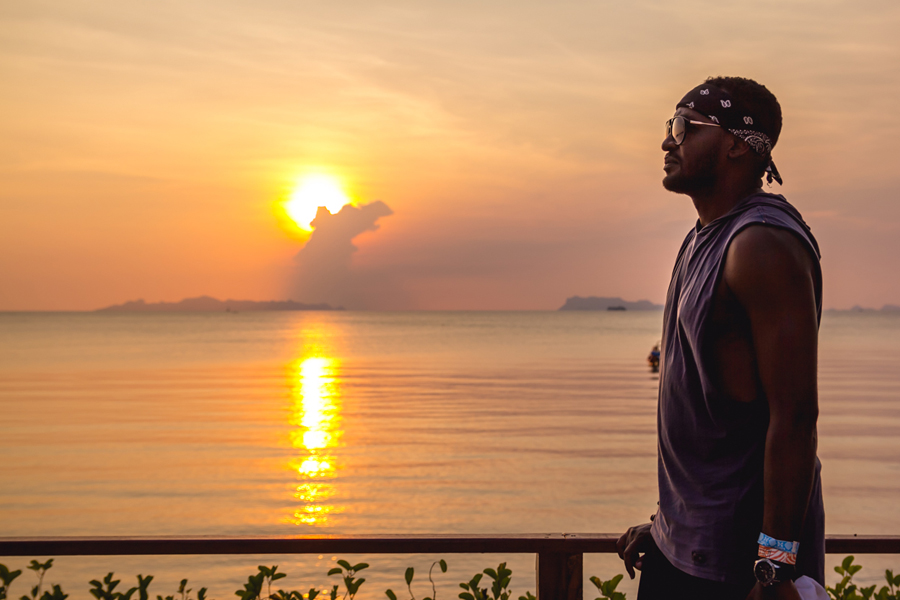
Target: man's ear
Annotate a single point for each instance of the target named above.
(738, 148)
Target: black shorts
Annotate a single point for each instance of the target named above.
(660, 580)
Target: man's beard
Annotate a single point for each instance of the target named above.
(703, 177)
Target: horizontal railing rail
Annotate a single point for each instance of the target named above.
(560, 556)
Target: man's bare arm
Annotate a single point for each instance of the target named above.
(774, 278)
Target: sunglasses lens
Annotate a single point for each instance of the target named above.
(678, 127)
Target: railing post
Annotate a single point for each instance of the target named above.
(559, 576)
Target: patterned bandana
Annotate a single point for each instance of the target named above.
(718, 105)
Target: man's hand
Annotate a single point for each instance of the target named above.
(779, 591)
(636, 541)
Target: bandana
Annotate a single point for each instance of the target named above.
(721, 108)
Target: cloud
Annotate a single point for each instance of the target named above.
(324, 267)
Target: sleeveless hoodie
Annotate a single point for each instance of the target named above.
(711, 447)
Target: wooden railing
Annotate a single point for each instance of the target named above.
(559, 555)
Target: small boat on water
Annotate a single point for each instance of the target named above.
(653, 358)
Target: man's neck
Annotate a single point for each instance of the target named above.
(714, 203)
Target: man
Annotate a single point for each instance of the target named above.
(740, 501)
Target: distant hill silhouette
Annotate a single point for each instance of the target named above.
(856, 308)
(595, 303)
(209, 304)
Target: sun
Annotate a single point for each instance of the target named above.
(313, 191)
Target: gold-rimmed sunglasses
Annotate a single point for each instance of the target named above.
(677, 127)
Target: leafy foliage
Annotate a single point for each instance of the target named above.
(499, 590)
(183, 593)
(104, 590)
(7, 577)
(348, 574)
(410, 573)
(253, 588)
(845, 589)
(499, 580)
(39, 569)
(608, 588)
(143, 584)
(473, 591)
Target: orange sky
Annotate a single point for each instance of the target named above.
(146, 147)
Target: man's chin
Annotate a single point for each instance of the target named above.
(674, 183)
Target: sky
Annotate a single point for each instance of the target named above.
(512, 147)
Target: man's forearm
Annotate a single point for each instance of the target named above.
(788, 477)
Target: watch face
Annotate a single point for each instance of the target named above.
(764, 571)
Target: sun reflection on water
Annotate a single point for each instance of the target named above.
(316, 416)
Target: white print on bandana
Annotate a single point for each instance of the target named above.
(748, 120)
(704, 92)
(725, 103)
(759, 141)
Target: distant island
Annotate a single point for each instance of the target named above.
(892, 308)
(209, 304)
(595, 303)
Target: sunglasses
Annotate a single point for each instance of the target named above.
(677, 127)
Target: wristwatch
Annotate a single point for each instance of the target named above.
(769, 572)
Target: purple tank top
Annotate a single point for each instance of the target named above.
(711, 447)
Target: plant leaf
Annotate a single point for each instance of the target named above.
(615, 581)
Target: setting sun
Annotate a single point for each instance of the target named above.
(312, 192)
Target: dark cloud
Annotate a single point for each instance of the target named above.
(324, 267)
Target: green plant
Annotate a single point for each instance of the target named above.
(183, 593)
(270, 576)
(294, 594)
(473, 592)
(500, 577)
(253, 588)
(56, 594)
(100, 593)
(7, 577)
(410, 573)
(443, 565)
(608, 588)
(891, 591)
(348, 574)
(845, 589)
(143, 584)
(39, 569)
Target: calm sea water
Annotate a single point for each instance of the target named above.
(287, 423)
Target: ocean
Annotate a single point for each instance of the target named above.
(265, 423)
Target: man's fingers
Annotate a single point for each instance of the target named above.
(620, 545)
(631, 555)
(628, 566)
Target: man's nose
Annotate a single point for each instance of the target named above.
(669, 144)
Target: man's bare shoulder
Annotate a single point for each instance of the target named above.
(767, 262)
